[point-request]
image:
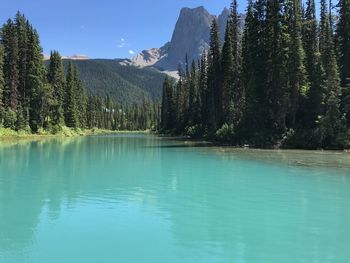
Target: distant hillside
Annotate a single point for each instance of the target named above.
(125, 83)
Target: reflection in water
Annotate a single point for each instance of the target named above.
(114, 195)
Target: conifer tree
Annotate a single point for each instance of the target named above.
(313, 66)
(56, 79)
(296, 71)
(331, 122)
(81, 100)
(214, 90)
(36, 80)
(203, 91)
(276, 68)
(71, 108)
(2, 85)
(228, 77)
(343, 45)
(192, 95)
(10, 44)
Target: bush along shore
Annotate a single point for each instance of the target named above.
(282, 82)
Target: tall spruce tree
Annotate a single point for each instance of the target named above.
(296, 69)
(193, 109)
(343, 46)
(36, 80)
(2, 85)
(277, 93)
(228, 73)
(71, 108)
(56, 79)
(331, 121)
(81, 100)
(203, 91)
(9, 41)
(214, 90)
(168, 110)
(315, 95)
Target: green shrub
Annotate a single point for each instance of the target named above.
(10, 119)
(225, 134)
(195, 131)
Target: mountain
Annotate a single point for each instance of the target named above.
(125, 83)
(190, 36)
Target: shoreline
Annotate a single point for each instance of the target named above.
(73, 134)
(202, 142)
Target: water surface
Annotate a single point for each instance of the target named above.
(139, 198)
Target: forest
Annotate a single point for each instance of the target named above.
(45, 98)
(282, 81)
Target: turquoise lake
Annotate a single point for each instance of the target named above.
(141, 198)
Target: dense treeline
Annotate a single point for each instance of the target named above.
(283, 81)
(35, 98)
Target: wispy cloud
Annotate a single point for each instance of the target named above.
(131, 52)
(122, 43)
(83, 27)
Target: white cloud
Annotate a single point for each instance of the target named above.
(131, 52)
(123, 43)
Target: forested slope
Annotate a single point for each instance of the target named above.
(127, 84)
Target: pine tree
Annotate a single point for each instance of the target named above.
(343, 45)
(81, 100)
(214, 90)
(296, 68)
(36, 80)
(10, 43)
(22, 35)
(315, 95)
(228, 73)
(56, 79)
(203, 91)
(2, 85)
(192, 96)
(331, 121)
(71, 110)
(277, 93)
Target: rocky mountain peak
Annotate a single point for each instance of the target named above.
(190, 36)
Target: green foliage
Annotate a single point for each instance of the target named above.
(10, 119)
(195, 131)
(39, 100)
(127, 84)
(277, 86)
(226, 133)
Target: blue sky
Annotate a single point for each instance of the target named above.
(104, 28)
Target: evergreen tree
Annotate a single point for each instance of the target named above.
(81, 100)
(228, 73)
(214, 89)
(343, 45)
(10, 44)
(296, 71)
(315, 95)
(331, 121)
(71, 108)
(193, 109)
(2, 85)
(203, 91)
(56, 79)
(277, 93)
(36, 80)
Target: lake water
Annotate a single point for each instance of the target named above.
(140, 198)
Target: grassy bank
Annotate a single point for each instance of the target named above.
(6, 134)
